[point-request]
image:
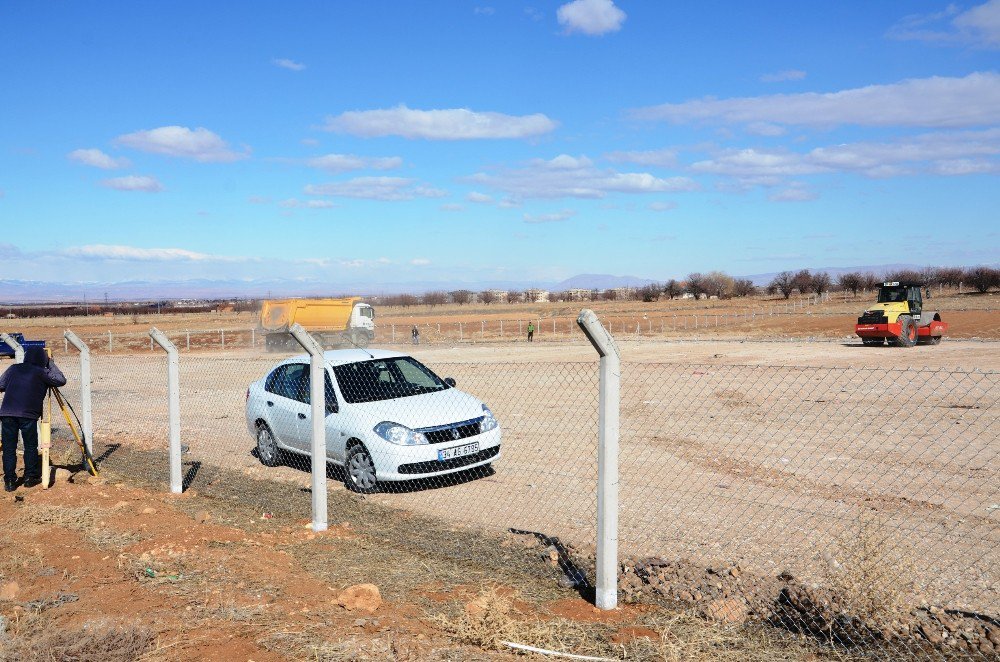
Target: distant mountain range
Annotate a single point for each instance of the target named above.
(22, 291)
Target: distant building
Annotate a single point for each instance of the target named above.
(536, 296)
(579, 294)
(625, 293)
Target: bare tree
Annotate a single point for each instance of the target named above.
(851, 281)
(784, 283)
(951, 276)
(870, 281)
(610, 294)
(595, 295)
(696, 284)
(743, 287)
(407, 300)
(821, 282)
(435, 298)
(903, 276)
(487, 297)
(717, 283)
(461, 297)
(983, 278)
(513, 296)
(650, 293)
(673, 289)
(803, 281)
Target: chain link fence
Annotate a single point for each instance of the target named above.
(861, 506)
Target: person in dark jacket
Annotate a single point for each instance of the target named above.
(24, 386)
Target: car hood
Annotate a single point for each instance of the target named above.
(421, 411)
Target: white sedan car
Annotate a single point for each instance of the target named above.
(389, 418)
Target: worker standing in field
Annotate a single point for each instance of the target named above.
(416, 335)
(24, 386)
(531, 332)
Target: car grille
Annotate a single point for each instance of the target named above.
(452, 432)
(435, 466)
(873, 317)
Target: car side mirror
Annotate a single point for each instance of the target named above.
(450, 381)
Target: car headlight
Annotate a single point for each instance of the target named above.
(489, 422)
(398, 434)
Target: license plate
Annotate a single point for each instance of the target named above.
(458, 451)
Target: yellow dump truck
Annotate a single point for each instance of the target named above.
(332, 322)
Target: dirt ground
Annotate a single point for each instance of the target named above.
(106, 570)
(761, 318)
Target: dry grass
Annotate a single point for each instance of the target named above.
(80, 518)
(29, 640)
(492, 618)
(873, 574)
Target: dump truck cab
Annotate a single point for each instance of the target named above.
(898, 316)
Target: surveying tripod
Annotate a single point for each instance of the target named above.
(45, 435)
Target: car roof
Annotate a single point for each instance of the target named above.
(344, 356)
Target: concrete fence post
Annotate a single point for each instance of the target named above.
(86, 406)
(317, 405)
(14, 345)
(607, 458)
(111, 343)
(253, 337)
(173, 408)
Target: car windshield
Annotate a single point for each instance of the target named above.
(386, 379)
(891, 294)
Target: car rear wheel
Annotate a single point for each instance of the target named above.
(359, 471)
(267, 448)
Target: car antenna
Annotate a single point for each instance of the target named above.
(363, 349)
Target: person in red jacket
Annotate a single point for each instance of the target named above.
(24, 386)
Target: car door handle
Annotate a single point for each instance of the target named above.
(302, 416)
(270, 404)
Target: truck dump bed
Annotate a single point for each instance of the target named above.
(312, 314)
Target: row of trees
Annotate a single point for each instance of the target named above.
(723, 286)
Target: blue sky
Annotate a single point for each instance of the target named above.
(381, 142)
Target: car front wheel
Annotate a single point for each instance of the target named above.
(359, 471)
(267, 447)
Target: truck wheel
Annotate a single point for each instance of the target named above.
(907, 333)
(360, 339)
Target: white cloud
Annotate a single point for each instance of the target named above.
(941, 152)
(765, 129)
(376, 188)
(420, 262)
(480, 198)
(132, 253)
(452, 206)
(97, 159)
(793, 193)
(285, 63)
(571, 177)
(781, 76)
(663, 206)
(292, 203)
(934, 102)
(591, 17)
(449, 124)
(348, 162)
(199, 144)
(555, 217)
(665, 158)
(134, 183)
(979, 26)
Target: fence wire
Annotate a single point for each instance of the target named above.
(858, 505)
